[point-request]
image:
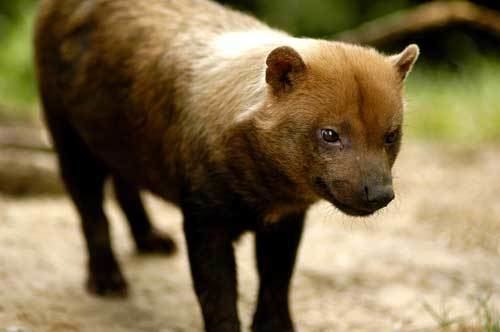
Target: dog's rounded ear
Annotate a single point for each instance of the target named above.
(283, 65)
(405, 60)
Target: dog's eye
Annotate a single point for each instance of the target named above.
(330, 136)
(391, 137)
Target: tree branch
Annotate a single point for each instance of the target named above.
(421, 18)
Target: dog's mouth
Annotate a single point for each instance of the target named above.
(350, 210)
(324, 191)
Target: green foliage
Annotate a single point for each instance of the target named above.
(11, 10)
(459, 106)
(17, 85)
(309, 18)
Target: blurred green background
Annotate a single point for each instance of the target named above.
(453, 93)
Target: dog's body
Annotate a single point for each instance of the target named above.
(223, 116)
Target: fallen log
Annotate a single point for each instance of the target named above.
(420, 18)
(28, 173)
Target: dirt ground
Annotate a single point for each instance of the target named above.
(437, 246)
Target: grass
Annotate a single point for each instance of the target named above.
(17, 79)
(490, 319)
(485, 319)
(459, 106)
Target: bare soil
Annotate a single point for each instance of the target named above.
(437, 246)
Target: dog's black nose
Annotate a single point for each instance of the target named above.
(378, 196)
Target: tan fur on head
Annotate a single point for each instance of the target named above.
(354, 90)
(405, 60)
(283, 65)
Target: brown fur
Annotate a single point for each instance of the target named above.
(171, 96)
(145, 52)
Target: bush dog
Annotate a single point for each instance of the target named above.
(240, 125)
